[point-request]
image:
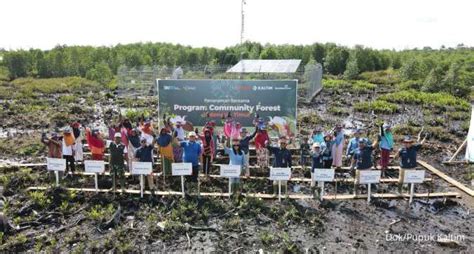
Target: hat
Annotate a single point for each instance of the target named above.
(243, 130)
(386, 126)
(362, 141)
(54, 134)
(117, 135)
(191, 134)
(408, 139)
(67, 130)
(142, 139)
(316, 144)
(358, 130)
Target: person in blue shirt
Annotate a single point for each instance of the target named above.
(192, 153)
(362, 158)
(386, 146)
(236, 157)
(282, 160)
(244, 146)
(326, 149)
(408, 153)
(353, 144)
(318, 136)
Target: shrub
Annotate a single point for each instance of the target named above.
(437, 100)
(378, 106)
(385, 77)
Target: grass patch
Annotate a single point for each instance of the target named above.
(430, 100)
(386, 77)
(340, 86)
(377, 106)
(29, 86)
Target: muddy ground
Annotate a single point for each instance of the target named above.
(64, 221)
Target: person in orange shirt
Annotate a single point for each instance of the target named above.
(96, 144)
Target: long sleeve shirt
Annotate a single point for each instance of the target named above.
(352, 146)
(244, 143)
(282, 157)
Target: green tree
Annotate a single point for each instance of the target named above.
(100, 73)
(336, 60)
(352, 70)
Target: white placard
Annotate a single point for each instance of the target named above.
(230, 171)
(182, 169)
(369, 176)
(280, 174)
(55, 164)
(94, 166)
(414, 176)
(323, 175)
(141, 168)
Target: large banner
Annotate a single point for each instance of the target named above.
(198, 101)
(470, 140)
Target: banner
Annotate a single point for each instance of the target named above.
(470, 140)
(199, 101)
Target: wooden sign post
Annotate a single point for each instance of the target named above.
(54, 164)
(96, 167)
(230, 171)
(182, 169)
(322, 175)
(413, 176)
(369, 177)
(141, 168)
(280, 174)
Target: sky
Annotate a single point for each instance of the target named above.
(386, 24)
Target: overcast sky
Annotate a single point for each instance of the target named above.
(375, 23)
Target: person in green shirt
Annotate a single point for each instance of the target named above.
(117, 161)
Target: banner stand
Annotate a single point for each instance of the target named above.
(182, 186)
(279, 190)
(412, 190)
(56, 174)
(141, 186)
(96, 180)
(230, 188)
(321, 194)
(369, 194)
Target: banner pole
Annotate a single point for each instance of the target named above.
(230, 188)
(322, 191)
(368, 192)
(279, 190)
(56, 174)
(412, 190)
(141, 186)
(96, 179)
(182, 185)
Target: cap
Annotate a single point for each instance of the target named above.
(117, 135)
(407, 139)
(67, 130)
(358, 130)
(243, 130)
(316, 144)
(192, 134)
(386, 126)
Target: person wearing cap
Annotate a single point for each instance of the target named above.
(54, 144)
(326, 150)
(261, 139)
(145, 154)
(317, 157)
(192, 153)
(236, 157)
(353, 143)
(165, 149)
(304, 152)
(318, 136)
(244, 146)
(408, 152)
(386, 146)
(362, 158)
(337, 147)
(68, 149)
(79, 137)
(96, 144)
(282, 158)
(117, 161)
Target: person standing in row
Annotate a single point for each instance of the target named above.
(79, 137)
(304, 152)
(317, 161)
(261, 140)
(236, 157)
(326, 149)
(408, 154)
(117, 161)
(208, 150)
(68, 150)
(282, 160)
(337, 147)
(353, 144)
(192, 153)
(318, 136)
(145, 154)
(133, 145)
(96, 144)
(386, 146)
(165, 148)
(244, 146)
(54, 144)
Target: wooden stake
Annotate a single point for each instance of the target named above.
(322, 190)
(459, 150)
(141, 186)
(369, 192)
(230, 188)
(56, 174)
(279, 191)
(96, 179)
(412, 190)
(182, 185)
(446, 178)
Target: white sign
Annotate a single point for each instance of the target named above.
(141, 168)
(414, 176)
(182, 169)
(55, 164)
(369, 176)
(230, 171)
(94, 166)
(280, 174)
(323, 175)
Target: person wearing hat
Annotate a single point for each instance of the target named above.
(68, 150)
(192, 153)
(244, 146)
(353, 144)
(326, 150)
(79, 137)
(316, 157)
(165, 148)
(261, 139)
(386, 146)
(337, 147)
(282, 159)
(117, 161)
(96, 144)
(408, 152)
(362, 158)
(236, 157)
(318, 136)
(145, 154)
(54, 144)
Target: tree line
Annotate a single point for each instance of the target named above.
(433, 69)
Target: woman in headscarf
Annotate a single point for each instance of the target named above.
(96, 144)
(133, 145)
(337, 147)
(165, 148)
(78, 136)
(386, 146)
(208, 150)
(68, 149)
(261, 138)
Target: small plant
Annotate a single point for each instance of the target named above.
(100, 213)
(377, 106)
(40, 199)
(267, 238)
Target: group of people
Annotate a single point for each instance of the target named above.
(129, 142)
